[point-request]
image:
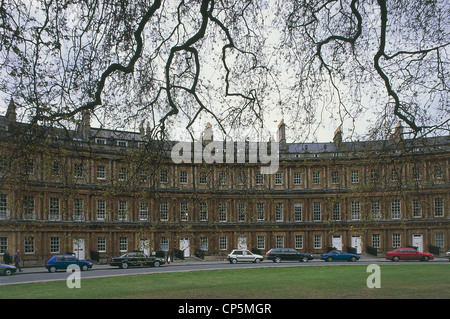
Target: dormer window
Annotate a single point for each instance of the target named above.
(100, 141)
(122, 143)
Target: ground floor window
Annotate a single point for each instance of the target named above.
(3, 244)
(29, 245)
(223, 242)
(396, 240)
(279, 242)
(376, 240)
(298, 241)
(317, 241)
(260, 242)
(164, 244)
(101, 244)
(123, 244)
(439, 239)
(204, 243)
(54, 244)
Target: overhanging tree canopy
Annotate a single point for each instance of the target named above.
(174, 63)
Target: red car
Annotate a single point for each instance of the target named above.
(408, 254)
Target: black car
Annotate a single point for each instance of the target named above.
(136, 258)
(279, 254)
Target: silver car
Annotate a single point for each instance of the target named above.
(242, 255)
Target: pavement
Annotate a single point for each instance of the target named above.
(193, 261)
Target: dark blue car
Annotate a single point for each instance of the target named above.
(58, 262)
(339, 255)
(7, 270)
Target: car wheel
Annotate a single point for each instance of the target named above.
(156, 263)
(395, 258)
(425, 258)
(233, 261)
(304, 259)
(84, 268)
(257, 260)
(353, 259)
(124, 266)
(330, 259)
(7, 272)
(52, 269)
(277, 259)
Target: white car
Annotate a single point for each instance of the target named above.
(240, 255)
(447, 254)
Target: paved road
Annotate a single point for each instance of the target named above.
(40, 274)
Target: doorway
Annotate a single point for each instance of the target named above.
(242, 243)
(185, 246)
(417, 241)
(79, 248)
(144, 245)
(336, 242)
(356, 243)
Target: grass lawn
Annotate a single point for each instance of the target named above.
(315, 282)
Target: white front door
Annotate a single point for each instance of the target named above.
(144, 245)
(184, 246)
(356, 243)
(242, 243)
(336, 242)
(417, 241)
(78, 248)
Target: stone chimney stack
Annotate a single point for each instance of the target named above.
(398, 133)
(281, 138)
(86, 124)
(337, 139)
(11, 114)
(207, 135)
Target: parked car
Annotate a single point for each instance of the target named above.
(447, 254)
(279, 254)
(136, 258)
(59, 262)
(7, 270)
(408, 253)
(339, 255)
(240, 255)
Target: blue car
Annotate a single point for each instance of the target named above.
(58, 262)
(339, 255)
(7, 270)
